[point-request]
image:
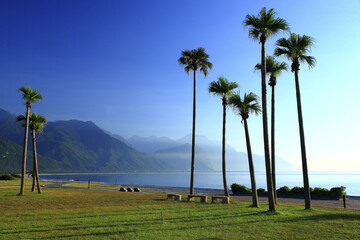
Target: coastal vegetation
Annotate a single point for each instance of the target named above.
(30, 96)
(274, 69)
(36, 124)
(295, 49)
(261, 27)
(194, 60)
(317, 191)
(96, 214)
(244, 106)
(223, 89)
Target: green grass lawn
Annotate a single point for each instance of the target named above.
(100, 214)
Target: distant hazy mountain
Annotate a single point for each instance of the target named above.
(118, 137)
(208, 156)
(82, 146)
(151, 144)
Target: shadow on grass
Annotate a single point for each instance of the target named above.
(102, 234)
(129, 223)
(324, 217)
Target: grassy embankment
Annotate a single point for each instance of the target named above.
(101, 214)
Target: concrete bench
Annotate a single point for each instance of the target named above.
(174, 196)
(203, 198)
(224, 199)
(122, 189)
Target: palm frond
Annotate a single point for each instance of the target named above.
(243, 106)
(310, 60)
(222, 87)
(264, 24)
(195, 59)
(30, 95)
(295, 49)
(36, 121)
(273, 67)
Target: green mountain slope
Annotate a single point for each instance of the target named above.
(81, 147)
(11, 159)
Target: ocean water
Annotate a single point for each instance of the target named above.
(213, 180)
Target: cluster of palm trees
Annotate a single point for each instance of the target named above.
(36, 124)
(295, 49)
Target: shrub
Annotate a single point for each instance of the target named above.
(6, 176)
(261, 190)
(16, 175)
(297, 190)
(321, 191)
(239, 188)
(284, 189)
(337, 191)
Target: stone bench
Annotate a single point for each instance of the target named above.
(224, 199)
(203, 198)
(174, 196)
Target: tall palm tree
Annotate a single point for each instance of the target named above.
(224, 89)
(261, 27)
(244, 106)
(30, 96)
(274, 69)
(36, 124)
(193, 60)
(295, 49)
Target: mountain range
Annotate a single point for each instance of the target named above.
(78, 146)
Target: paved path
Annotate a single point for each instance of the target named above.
(352, 203)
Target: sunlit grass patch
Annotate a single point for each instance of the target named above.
(100, 214)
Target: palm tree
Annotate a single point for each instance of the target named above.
(261, 27)
(194, 60)
(30, 96)
(274, 69)
(243, 106)
(36, 124)
(224, 89)
(295, 49)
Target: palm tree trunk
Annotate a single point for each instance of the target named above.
(25, 150)
(33, 184)
(226, 191)
(35, 171)
(302, 142)
(193, 139)
(273, 140)
(265, 130)
(251, 167)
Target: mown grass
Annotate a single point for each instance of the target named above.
(100, 214)
(92, 185)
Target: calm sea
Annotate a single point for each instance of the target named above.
(213, 180)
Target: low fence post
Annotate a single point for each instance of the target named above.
(89, 184)
(344, 199)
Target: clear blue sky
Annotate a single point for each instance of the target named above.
(115, 63)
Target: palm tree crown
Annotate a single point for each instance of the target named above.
(30, 95)
(195, 59)
(264, 25)
(248, 104)
(274, 68)
(222, 88)
(36, 121)
(295, 48)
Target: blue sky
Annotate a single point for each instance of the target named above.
(115, 63)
